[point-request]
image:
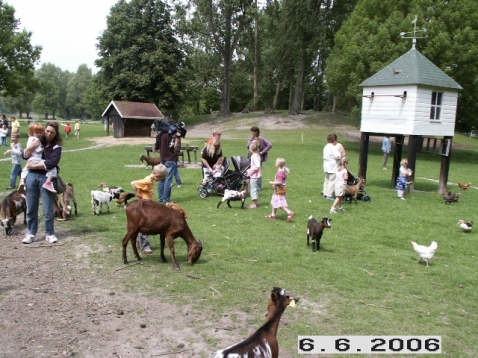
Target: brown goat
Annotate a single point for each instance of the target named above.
(12, 205)
(316, 229)
(150, 160)
(151, 218)
(354, 190)
(263, 342)
(67, 197)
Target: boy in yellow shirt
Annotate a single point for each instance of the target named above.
(143, 189)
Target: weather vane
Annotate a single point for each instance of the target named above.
(415, 32)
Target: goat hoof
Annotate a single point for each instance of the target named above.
(177, 268)
(125, 262)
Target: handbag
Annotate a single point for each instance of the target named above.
(60, 185)
(281, 190)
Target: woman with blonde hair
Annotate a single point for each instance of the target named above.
(212, 153)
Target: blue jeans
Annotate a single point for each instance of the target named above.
(164, 186)
(4, 141)
(16, 170)
(177, 177)
(34, 190)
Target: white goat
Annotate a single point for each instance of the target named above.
(98, 198)
(234, 196)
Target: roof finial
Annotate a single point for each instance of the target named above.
(414, 32)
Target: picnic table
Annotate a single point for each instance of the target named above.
(188, 149)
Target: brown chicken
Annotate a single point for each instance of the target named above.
(464, 186)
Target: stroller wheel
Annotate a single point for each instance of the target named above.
(366, 198)
(203, 192)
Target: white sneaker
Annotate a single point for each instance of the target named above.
(51, 239)
(333, 211)
(341, 209)
(180, 185)
(28, 239)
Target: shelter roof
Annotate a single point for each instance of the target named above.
(412, 68)
(137, 110)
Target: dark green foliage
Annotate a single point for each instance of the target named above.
(17, 55)
(140, 57)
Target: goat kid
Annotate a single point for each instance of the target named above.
(316, 229)
(153, 161)
(263, 343)
(234, 195)
(67, 197)
(151, 218)
(12, 205)
(100, 198)
(354, 190)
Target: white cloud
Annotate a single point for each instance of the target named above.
(66, 29)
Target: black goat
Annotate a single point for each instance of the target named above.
(263, 342)
(316, 229)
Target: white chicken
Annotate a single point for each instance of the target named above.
(466, 226)
(426, 252)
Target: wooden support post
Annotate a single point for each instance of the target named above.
(363, 156)
(434, 145)
(444, 169)
(413, 142)
(397, 157)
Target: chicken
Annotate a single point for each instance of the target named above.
(449, 197)
(426, 252)
(466, 226)
(464, 186)
(177, 208)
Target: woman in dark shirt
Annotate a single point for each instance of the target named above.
(34, 181)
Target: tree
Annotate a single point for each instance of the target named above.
(370, 40)
(51, 94)
(76, 90)
(222, 21)
(94, 98)
(140, 58)
(22, 103)
(17, 55)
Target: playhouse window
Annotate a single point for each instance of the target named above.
(435, 108)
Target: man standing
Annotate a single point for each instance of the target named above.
(167, 145)
(77, 130)
(331, 156)
(386, 148)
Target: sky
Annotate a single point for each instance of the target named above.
(66, 29)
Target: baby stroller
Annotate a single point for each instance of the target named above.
(229, 179)
(362, 195)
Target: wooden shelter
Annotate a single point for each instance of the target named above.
(409, 97)
(131, 119)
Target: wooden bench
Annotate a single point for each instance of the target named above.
(187, 149)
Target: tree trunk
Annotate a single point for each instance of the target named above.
(334, 105)
(225, 110)
(256, 65)
(299, 86)
(276, 96)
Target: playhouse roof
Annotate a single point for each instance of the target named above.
(412, 68)
(137, 110)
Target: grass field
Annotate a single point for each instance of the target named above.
(364, 281)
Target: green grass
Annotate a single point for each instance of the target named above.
(365, 279)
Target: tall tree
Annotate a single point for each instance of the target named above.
(51, 92)
(223, 21)
(370, 40)
(21, 103)
(140, 58)
(77, 87)
(95, 99)
(17, 55)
